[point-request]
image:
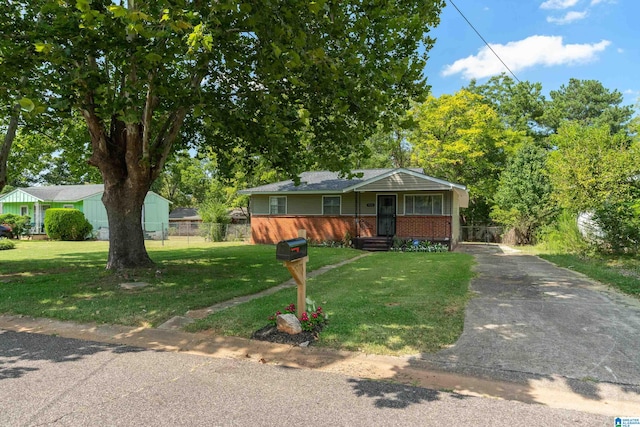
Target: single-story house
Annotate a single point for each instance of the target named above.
(374, 204)
(34, 201)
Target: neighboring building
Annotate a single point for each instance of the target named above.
(380, 204)
(34, 201)
(184, 222)
(179, 215)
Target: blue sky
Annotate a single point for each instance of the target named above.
(546, 41)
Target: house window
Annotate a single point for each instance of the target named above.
(24, 210)
(67, 206)
(423, 204)
(277, 205)
(331, 205)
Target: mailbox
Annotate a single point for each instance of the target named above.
(292, 249)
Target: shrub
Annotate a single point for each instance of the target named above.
(6, 244)
(216, 214)
(66, 224)
(620, 227)
(19, 224)
(564, 236)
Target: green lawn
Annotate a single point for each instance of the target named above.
(67, 280)
(387, 303)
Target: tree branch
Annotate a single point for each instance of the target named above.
(6, 144)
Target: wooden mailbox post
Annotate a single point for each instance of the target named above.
(294, 254)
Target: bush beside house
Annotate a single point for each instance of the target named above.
(66, 224)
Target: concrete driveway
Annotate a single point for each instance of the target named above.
(530, 319)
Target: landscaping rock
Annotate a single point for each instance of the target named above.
(289, 323)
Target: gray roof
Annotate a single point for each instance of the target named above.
(326, 181)
(190, 214)
(64, 193)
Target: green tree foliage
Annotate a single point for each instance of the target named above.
(595, 171)
(589, 103)
(591, 166)
(56, 154)
(520, 105)
(388, 147)
(185, 179)
(23, 96)
(291, 83)
(20, 224)
(66, 224)
(523, 199)
(462, 139)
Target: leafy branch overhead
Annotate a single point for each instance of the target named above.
(292, 84)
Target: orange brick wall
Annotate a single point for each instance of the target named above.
(427, 227)
(271, 229)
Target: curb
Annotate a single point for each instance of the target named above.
(412, 370)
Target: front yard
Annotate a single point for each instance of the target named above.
(386, 303)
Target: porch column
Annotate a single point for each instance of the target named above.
(36, 218)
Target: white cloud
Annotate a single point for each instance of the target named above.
(568, 18)
(522, 54)
(560, 4)
(595, 2)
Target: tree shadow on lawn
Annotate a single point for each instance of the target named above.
(18, 349)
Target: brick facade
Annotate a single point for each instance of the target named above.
(266, 229)
(424, 227)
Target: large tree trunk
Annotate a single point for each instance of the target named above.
(126, 236)
(127, 179)
(129, 166)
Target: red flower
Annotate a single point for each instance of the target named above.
(314, 315)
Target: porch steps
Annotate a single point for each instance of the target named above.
(376, 244)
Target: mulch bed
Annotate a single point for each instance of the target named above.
(272, 334)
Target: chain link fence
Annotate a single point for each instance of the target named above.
(481, 233)
(211, 231)
(162, 231)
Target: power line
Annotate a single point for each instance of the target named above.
(485, 42)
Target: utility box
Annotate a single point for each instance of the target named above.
(291, 250)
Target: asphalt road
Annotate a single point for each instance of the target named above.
(48, 380)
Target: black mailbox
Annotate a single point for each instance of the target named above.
(292, 249)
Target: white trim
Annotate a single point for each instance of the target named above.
(285, 205)
(340, 203)
(424, 195)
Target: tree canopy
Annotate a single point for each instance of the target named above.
(461, 138)
(291, 83)
(589, 103)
